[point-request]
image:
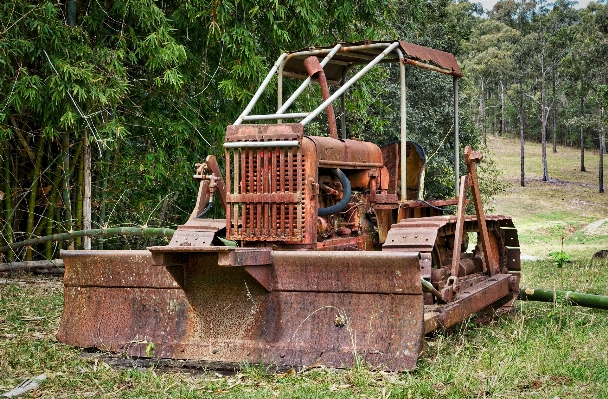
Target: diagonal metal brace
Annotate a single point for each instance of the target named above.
(472, 158)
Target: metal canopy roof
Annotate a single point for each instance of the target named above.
(357, 53)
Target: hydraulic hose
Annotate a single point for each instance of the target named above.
(207, 208)
(345, 198)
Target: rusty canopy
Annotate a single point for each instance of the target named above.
(355, 53)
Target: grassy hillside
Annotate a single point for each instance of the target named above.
(568, 206)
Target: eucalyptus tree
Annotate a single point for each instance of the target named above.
(580, 68)
(444, 25)
(597, 17)
(490, 60)
(549, 43)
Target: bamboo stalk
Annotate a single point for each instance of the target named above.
(50, 221)
(78, 188)
(8, 204)
(86, 200)
(574, 298)
(76, 155)
(22, 139)
(65, 189)
(31, 206)
(113, 231)
(105, 165)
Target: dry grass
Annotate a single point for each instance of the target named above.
(568, 206)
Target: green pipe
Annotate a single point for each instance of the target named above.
(571, 297)
(113, 231)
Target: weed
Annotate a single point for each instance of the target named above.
(150, 349)
(560, 258)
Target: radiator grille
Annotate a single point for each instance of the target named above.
(265, 194)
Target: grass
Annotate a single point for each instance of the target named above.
(568, 206)
(541, 351)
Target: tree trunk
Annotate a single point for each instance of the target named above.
(601, 171)
(602, 151)
(483, 111)
(31, 206)
(65, 187)
(543, 131)
(522, 180)
(582, 109)
(554, 106)
(8, 203)
(502, 108)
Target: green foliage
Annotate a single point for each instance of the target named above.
(228, 243)
(150, 349)
(154, 83)
(560, 258)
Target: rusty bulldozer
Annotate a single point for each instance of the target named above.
(328, 252)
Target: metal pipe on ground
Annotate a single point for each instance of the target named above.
(574, 298)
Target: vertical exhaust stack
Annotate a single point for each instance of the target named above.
(315, 70)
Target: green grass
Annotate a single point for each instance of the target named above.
(569, 206)
(541, 351)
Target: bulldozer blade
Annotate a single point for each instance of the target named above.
(304, 308)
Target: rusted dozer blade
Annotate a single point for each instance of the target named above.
(302, 309)
(116, 300)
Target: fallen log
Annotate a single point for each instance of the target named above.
(31, 265)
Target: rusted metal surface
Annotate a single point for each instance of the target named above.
(363, 52)
(347, 154)
(212, 164)
(310, 311)
(420, 237)
(113, 299)
(264, 132)
(270, 189)
(196, 233)
(468, 301)
(245, 257)
(113, 269)
(415, 163)
(315, 70)
(285, 292)
(459, 225)
(472, 158)
(441, 58)
(309, 271)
